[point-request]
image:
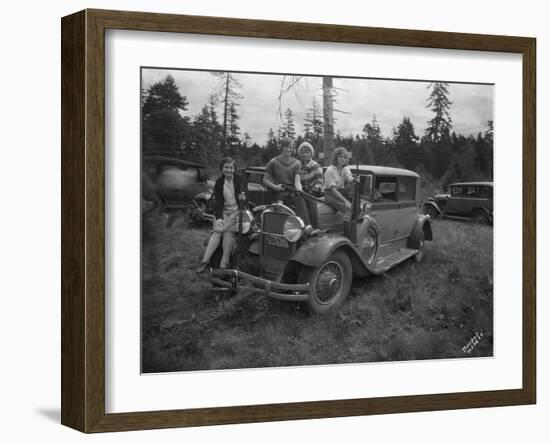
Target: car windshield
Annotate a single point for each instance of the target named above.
(366, 186)
(255, 177)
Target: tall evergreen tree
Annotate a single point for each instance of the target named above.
(313, 125)
(164, 129)
(206, 135)
(227, 94)
(489, 133)
(405, 141)
(289, 129)
(271, 146)
(437, 139)
(439, 127)
(164, 95)
(234, 131)
(372, 135)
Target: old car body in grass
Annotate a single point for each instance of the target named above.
(298, 263)
(471, 200)
(176, 186)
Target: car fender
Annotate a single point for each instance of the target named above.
(434, 205)
(421, 225)
(317, 250)
(487, 211)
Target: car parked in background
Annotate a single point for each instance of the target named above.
(473, 200)
(176, 186)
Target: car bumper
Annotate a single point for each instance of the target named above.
(237, 280)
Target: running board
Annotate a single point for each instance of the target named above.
(387, 262)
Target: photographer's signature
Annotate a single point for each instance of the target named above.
(472, 343)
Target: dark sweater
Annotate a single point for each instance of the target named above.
(219, 200)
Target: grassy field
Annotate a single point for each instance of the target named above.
(440, 308)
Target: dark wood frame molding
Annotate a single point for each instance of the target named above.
(83, 218)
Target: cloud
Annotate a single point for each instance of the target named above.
(360, 99)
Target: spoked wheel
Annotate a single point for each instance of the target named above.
(331, 282)
(421, 243)
(369, 246)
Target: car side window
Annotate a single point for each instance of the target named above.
(256, 178)
(366, 186)
(456, 191)
(484, 192)
(385, 189)
(471, 191)
(407, 189)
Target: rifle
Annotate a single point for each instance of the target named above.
(356, 200)
(292, 189)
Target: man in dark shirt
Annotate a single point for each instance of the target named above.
(282, 170)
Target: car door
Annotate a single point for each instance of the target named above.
(455, 201)
(486, 197)
(385, 205)
(407, 208)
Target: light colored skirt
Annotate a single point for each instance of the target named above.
(230, 221)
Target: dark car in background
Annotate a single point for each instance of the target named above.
(472, 200)
(257, 192)
(176, 186)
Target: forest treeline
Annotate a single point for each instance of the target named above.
(439, 154)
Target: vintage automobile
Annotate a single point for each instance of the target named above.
(472, 200)
(294, 262)
(176, 186)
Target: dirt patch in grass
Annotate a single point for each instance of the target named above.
(427, 310)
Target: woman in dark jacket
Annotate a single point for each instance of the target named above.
(227, 189)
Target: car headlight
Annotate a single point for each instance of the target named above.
(293, 228)
(246, 221)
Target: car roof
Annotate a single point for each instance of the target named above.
(474, 183)
(376, 170)
(255, 169)
(155, 159)
(382, 170)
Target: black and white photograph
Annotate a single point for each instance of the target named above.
(297, 220)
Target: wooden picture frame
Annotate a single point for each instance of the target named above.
(83, 220)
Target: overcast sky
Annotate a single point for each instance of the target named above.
(389, 100)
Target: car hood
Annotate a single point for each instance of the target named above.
(184, 183)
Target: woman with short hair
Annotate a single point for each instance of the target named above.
(311, 176)
(226, 214)
(337, 177)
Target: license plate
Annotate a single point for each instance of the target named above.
(277, 241)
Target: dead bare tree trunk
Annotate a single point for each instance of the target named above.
(328, 119)
(225, 110)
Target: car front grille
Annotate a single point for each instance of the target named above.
(275, 249)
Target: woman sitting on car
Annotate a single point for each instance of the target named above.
(227, 189)
(311, 177)
(337, 177)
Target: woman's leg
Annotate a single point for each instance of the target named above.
(228, 247)
(313, 212)
(213, 244)
(335, 203)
